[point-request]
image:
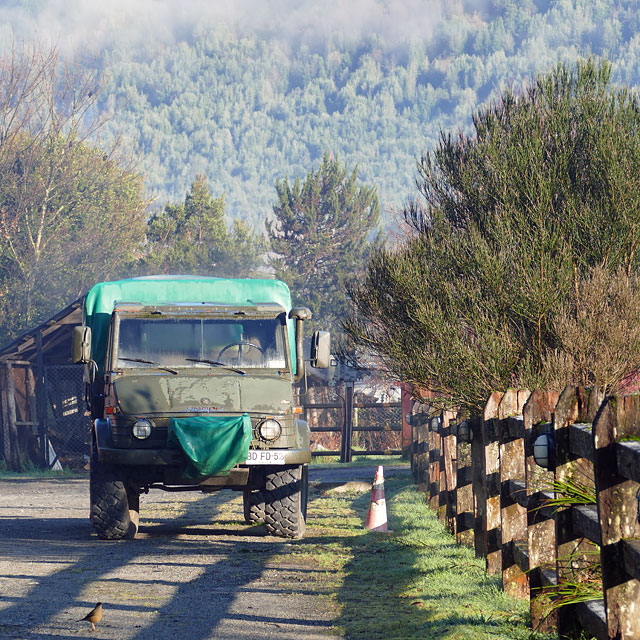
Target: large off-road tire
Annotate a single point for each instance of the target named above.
(114, 505)
(285, 506)
(253, 506)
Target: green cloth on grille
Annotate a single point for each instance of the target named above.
(211, 444)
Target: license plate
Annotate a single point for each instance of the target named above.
(260, 456)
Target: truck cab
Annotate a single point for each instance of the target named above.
(191, 387)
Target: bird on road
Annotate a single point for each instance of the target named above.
(95, 615)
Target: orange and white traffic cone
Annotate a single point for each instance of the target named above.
(377, 516)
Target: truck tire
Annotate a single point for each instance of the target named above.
(114, 505)
(253, 504)
(285, 503)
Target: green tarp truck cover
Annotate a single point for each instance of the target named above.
(101, 299)
(211, 444)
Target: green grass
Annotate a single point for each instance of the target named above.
(329, 462)
(32, 471)
(413, 584)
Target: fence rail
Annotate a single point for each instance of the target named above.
(573, 523)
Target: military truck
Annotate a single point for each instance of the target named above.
(190, 385)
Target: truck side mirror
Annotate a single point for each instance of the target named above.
(320, 349)
(81, 348)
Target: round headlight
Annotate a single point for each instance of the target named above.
(141, 429)
(269, 430)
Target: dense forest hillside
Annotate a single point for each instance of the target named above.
(249, 107)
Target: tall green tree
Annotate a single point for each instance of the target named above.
(322, 233)
(192, 237)
(71, 212)
(517, 218)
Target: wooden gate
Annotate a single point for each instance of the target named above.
(359, 416)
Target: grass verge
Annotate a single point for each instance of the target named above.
(332, 462)
(416, 583)
(32, 471)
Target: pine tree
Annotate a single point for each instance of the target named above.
(323, 231)
(191, 237)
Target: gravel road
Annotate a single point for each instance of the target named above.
(194, 572)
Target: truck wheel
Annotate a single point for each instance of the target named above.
(114, 505)
(253, 504)
(285, 501)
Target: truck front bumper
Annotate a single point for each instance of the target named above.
(164, 457)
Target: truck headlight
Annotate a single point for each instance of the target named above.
(269, 430)
(141, 429)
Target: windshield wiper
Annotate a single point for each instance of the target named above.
(157, 364)
(217, 364)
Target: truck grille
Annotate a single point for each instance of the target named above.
(121, 432)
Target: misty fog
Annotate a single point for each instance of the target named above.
(87, 25)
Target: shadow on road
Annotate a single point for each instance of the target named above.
(179, 578)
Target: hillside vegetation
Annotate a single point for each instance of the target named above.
(247, 110)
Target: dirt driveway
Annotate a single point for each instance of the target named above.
(195, 571)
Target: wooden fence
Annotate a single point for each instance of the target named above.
(481, 477)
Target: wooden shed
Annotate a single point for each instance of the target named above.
(42, 409)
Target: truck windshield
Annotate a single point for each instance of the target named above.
(192, 342)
